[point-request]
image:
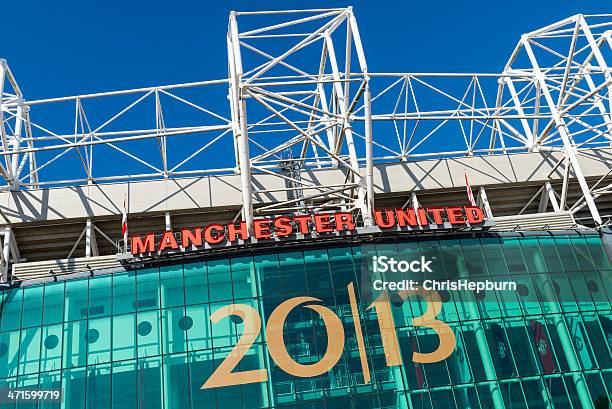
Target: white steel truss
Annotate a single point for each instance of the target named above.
(301, 98)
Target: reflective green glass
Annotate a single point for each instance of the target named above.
(53, 303)
(151, 387)
(172, 286)
(124, 337)
(199, 336)
(99, 340)
(50, 381)
(51, 348)
(32, 306)
(9, 353)
(147, 289)
(76, 300)
(11, 309)
(124, 293)
(75, 344)
(219, 280)
(174, 330)
(317, 272)
(100, 293)
(124, 385)
(74, 384)
(243, 277)
(176, 382)
(98, 387)
(196, 283)
(148, 333)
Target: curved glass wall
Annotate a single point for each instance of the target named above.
(144, 339)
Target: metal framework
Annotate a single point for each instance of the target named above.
(301, 97)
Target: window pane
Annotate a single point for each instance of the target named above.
(75, 346)
(54, 303)
(147, 289)
(219, 280)
(11, 309)
(196, 283)
(99, 340)
(150, 386)
(100, 289)
(172, 286)
(51, 349)
(124, 293)
(74, 382)
(243, 277)
(177, 382)
(9, 353)
(99, 387)
(124, 336)
(76, 299)
(32, 306)
(124, 385)
(174, 326)
(148, 333)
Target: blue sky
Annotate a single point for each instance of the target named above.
(63, 48)
(58, 48)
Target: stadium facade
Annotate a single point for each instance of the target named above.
(221, 258)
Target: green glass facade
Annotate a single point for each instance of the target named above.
(144, 339)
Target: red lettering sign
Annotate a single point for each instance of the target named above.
(321, 223)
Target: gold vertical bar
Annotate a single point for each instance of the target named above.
(360, 342)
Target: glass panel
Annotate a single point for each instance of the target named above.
(243, 277)
(32, 306)
(174, 330)
(199, 336)
(124, 336)
(99, 340)
(200, 369)
(196, 283)
(176, 380)
(124, 293)
(292, 273)
(51, 348)
(75, 344)
(172, 286)
(148, 333)
(147, 289)
(219, 280)
(100, 289)
(318, 274)
(76, 300)
(150, 386)
(54, 303)
(74, 383)
(99, 387)
(11, 309)
(124, 385)
(9, 353)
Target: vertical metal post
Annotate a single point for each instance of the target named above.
(91, 245)
(88, 235)
(168, 221)
(484, 200)
(239, 120)
(6, 252)
(369, 161)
